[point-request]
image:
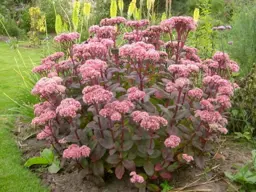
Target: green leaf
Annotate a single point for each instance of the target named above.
(149, 168)
(254, 158)
(36, 161)
(153, 188)
(55, 167)
(47, 154)
(173, 167)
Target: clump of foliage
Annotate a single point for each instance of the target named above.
(138, 105)
(243, 37)
(243, 114)
(204, 37)
(46, 158)
(246, 175)
(37, 25)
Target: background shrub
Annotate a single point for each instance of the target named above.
(243, 37)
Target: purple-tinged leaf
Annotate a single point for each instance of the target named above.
(112, 151)
(127, 145)
(113, 159)
(119, 171)
(166, 175)
(97, 153)
(149, 168)
(129, 165)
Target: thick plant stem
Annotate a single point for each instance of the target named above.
(122, 134)
(97, 111)
(176, 109)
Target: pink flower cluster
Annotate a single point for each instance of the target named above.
(54, 56)
(187, 158)
(221, 61)
(179, 84)
(67, 37)
(112, 21)
(96, 94)
(137, 24)
(181, 70)
(44, 112)
(172, 141)
(135, 178)
(91, 50)
(46, 87)
(195, 93)
(148, 122)
(116, 109)
(46, 66)
(139, 51)
(68, 107)
(63, 66)
(45, 133)
(181, 24)
(44, 117)
(76, 152)
(134, 94)
(93, 68)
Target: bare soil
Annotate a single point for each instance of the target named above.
(228, 155)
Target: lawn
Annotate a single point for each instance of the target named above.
(13, 176)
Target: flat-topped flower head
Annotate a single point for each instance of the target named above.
(96, 94)
(135, 178)
(221, 57)
(138, 24)
(76, 152)
(67, 37)
(224, 101)
(148, 122)
(116, 109)
(206, 104)
(54, 56)
(112, 21)
(172, 141)
(180, 24)
(93, 68)
(134, 94)
(208, 116)
(46, 87)
(42, 107)
(45, 133)
(170, 87)
(68, 108)
(195, 93)
(106, 32)
(94, 29)
(182, 83)
(44, 117)
(139, 51)
(187, 158)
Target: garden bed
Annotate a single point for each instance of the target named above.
(228, 154)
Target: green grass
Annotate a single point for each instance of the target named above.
(14, 177)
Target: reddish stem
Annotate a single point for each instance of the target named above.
(97, 111)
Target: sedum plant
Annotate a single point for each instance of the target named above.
(146, 107)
